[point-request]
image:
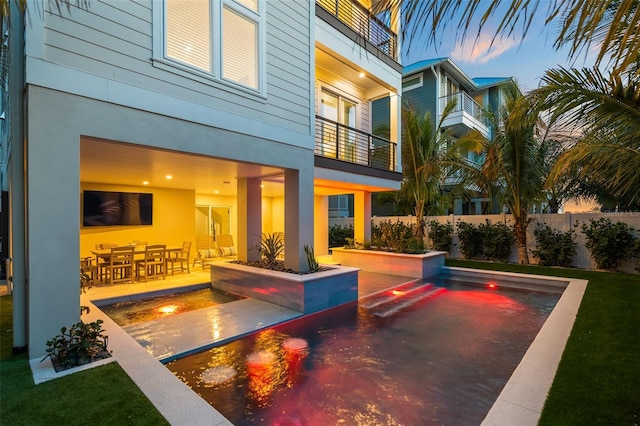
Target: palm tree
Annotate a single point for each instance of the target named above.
(610, 26)
(512, 166)
(607, 112)
(427, 159)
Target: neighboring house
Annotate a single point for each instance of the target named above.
(238, 116)
(429, 85)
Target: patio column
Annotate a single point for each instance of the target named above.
(16, 179)
(395, 127)
(249, 219)
(52, 200)
(321, 226)
(362, 215)
(298, 214)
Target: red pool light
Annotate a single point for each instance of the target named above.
(492, 285)
(397, 292)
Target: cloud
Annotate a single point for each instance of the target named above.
(481, 50)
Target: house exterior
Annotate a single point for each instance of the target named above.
(429, 85)
(237, 116)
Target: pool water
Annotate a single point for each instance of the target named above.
(134, 311)
(442, 361)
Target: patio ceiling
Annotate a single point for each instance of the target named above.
(114, 163)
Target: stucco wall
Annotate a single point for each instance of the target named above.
(562, 222)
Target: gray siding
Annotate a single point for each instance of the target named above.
(113, 40)
(424, 98)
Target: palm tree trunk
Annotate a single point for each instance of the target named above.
(520, 230)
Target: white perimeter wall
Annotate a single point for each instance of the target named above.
(562, 222)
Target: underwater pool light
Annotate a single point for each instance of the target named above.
(492, 285)
(168, 309)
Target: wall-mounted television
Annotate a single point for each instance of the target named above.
(108, 208)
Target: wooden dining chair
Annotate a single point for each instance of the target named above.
(120, 266)
(154, 263)
(88, 271)
(180, 258)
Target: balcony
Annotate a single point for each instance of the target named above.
(335, 140)
(467, 115)
(364, 23)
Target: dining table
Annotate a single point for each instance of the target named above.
(104, 254)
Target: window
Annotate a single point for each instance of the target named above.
(220, 39)
(412, 82)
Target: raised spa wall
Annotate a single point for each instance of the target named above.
(420, 266)
(305, 293)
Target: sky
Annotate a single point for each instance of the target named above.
(526, 59)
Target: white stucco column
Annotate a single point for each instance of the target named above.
(16, 178)
(395, 126)
(362, 216)
(298, 214)
(249, 219)
(52, 219)
(321, 225)
(17, 246)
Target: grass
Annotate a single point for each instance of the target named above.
(100, 396)
(596, 382)
(598, 377)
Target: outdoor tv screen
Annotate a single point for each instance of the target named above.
(106, 208)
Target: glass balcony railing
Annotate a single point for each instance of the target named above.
(464, 103)
(335, 140)
(363, 22)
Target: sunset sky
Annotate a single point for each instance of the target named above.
(526, 60)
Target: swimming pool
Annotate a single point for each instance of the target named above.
(441, 361)
(133, 310)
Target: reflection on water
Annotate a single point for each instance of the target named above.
(443, 361)
(152, 308)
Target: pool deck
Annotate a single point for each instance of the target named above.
(137, 348)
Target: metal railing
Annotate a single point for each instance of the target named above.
(465, 103)
(363, 22)
(335, 140)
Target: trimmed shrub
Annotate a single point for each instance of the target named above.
(338, 235)
(441, 235)
(609, 244)
(554, 247)
(497, 240)
(470, 239)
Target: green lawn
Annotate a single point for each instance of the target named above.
(99, 396)
(599, 375)
(597, 381)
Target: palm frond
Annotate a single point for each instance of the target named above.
(610, 26)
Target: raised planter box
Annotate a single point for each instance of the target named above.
(420, 266)
(305, 293)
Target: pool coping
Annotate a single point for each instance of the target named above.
(522, 399)
(520, 402)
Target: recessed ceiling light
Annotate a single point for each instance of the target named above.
(261, 186)
(216, 192)
(169, 177)
(362, 74)
(146, 182)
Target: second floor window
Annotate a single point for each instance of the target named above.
(220, 38)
